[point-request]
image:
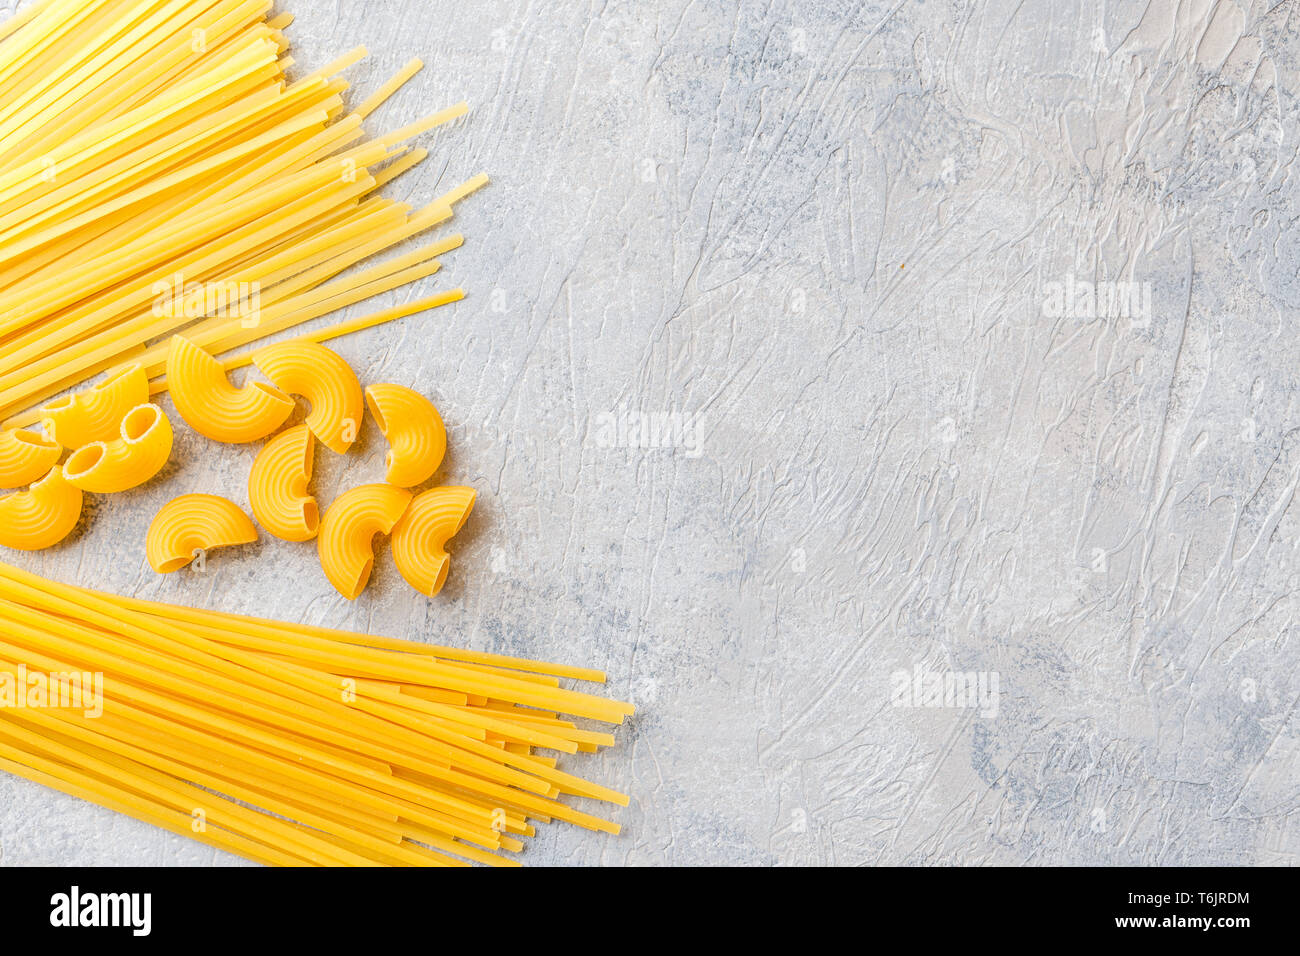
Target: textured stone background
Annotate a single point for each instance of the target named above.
(822, 234)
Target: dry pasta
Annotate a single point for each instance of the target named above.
(140, 450)
(41, 516)
(287, 742)
(95, 413)
(348, 529)
(417, 438)
(325, 380)
(277, 485)
(215, 408)
(25, 456)
(420, 537)
(191, 524)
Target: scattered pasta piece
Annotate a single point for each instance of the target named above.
(417, 438)
(95, 413)
(25, 456)
(212, 406)
(191, 524)
(277, 485)
(420, 537)
(325, 380)
(41, 516)
(347, 531)
(140, 450)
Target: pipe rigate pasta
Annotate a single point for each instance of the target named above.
(417, 438)
(277, 485)
(347, 531)
(215, 408)
(193, 523)
(325, 380)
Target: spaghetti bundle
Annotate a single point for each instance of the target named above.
(159, 172)
(289, 744)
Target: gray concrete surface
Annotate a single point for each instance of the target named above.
(833, 253)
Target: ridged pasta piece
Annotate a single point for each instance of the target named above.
(192, 523)
(212, 406)
(94, 414)
(346, 539)
(325, 380)
(420, 538)
(25, 456)
(277, 485)
(41, 516)
(417, 438)
(140, 450)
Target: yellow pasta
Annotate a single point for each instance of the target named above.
(347, 532)
(191, 524)
(41, 516)
(25, 456)
(142, 447)
(325, 380)
(95, 413)
(420, 537)
(417, 438)
(277, 485)
(212, 406)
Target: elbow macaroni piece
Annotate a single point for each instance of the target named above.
(325, 380)
(41, 516)
(417, 438)
(212, 406)
(25, 456)
(277, 485)
(94, 413)
(347, 533)
(420, 538)
(136, 455)
(191, 524)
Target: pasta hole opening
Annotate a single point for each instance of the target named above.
(139, 422)
(310, 515)
(173, 564)
(273, 393)
(440, 576)
(35, 439)
(377, 412)
(362, 579)
(84, 459)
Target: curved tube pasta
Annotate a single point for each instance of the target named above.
(325, 380)
(192, 523)
(94, 414)
(277, 485)
(25, 456)
(347, 533)
(41, 516)
(212, 406)
(420, 538)
(136, 455)
(417, 438)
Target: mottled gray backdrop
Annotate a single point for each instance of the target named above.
(818, 354)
